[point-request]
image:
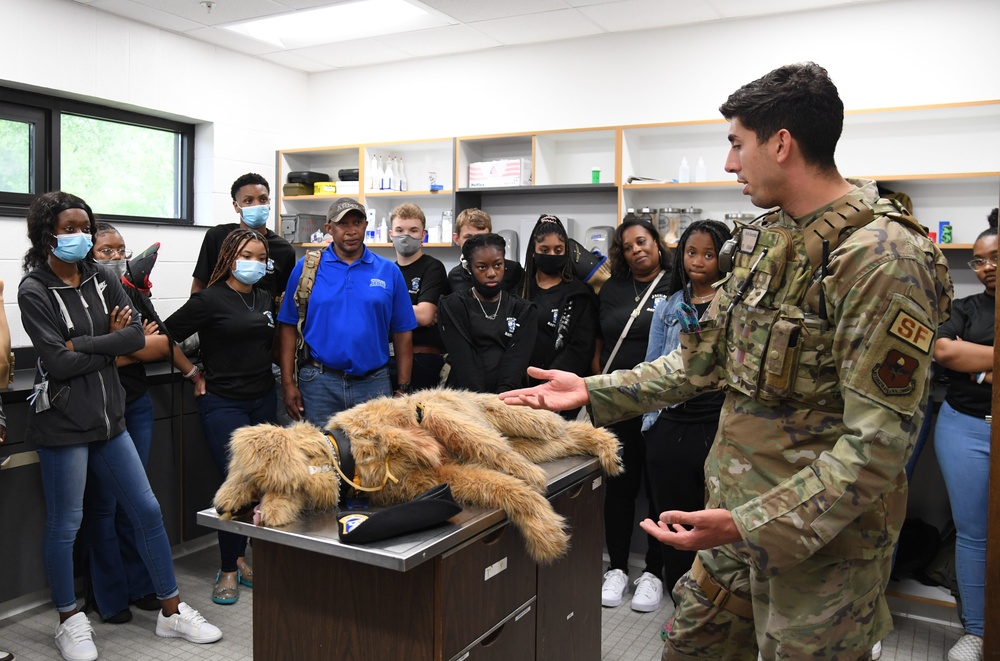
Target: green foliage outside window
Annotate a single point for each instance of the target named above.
(15, 156)
(119, 168)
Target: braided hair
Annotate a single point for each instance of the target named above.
(479, 241)
(43, 215)
(230, 251)
(547, 224)
(719, 232)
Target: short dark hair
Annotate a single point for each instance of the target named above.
(719, 232)
(42, 217)
(249, 179)
(800, 98)
(479, 241)
(616, 251)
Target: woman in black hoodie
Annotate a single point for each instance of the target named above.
(567, 307)
(79, 321)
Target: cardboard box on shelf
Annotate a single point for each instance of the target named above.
(500, 172)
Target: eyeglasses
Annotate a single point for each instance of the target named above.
(111, 253)
(978, 264)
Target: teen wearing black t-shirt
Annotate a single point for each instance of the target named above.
(567, 307)
(426, 282)
(251, 200)
(488, 332)
(962, 435)
(235, 323)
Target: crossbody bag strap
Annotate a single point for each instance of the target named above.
(302, 293)
(632, 317)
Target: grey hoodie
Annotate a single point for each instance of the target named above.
(87, 400)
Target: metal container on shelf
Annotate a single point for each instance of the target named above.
(738, 218)
(688, 216)
(299, 227)
(668, 221)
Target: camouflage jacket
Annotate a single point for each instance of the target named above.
(826, 380)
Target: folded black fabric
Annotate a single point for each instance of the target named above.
(434, 506)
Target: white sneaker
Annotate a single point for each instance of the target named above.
(648, 593)
(187, 623)
(615, 585)
(968, 648)
(877, 651)
(75, 639)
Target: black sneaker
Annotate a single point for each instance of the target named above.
(147, 602)
(121, 617)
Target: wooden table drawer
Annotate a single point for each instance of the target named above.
(479, 584)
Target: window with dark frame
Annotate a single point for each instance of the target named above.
(128, 166)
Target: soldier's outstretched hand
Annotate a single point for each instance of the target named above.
(693, 531)
(562, 391)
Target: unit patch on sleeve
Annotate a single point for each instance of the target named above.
(894, 375)
(912, 332)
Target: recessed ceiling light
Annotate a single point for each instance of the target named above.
(342, 22)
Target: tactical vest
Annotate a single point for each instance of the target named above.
(779, 343)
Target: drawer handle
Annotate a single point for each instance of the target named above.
(495, 536)
(494, 636)
(577, 490)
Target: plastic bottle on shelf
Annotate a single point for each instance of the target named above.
(446, 226)
(374, 178)
(646, 215)
(629, 214)
(401, 176)
(684, 175)
(699, 170)
(383, 232)
(381, 174)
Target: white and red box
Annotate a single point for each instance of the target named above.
(500, 172)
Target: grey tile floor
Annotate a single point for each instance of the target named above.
(627, 635)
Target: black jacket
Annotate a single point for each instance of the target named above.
(466, 359)
(572, 348)
(87, 402)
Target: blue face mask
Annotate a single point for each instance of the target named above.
(255, 217)
(249, 272)
(71, 248)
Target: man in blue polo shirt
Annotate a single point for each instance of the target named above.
(359, 303)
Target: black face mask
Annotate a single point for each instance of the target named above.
(484, 290)
(550, 264)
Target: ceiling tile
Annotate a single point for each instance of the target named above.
(160, 17)
(441, 41)
(741, 8)
(356, 53)
(550, 26)
(469, 11)
(223, 11)
(645, 14)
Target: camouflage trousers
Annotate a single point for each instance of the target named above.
(824, 608)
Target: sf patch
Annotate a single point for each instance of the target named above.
(894, 375)
(912, 332)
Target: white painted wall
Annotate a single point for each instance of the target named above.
(895, 53)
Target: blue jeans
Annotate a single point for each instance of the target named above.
(220, 417)
(117, 572)
(325, 393)
(962, 443)
(116, 467)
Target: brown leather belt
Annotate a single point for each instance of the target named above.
(719, 595)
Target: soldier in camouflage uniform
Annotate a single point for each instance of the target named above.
(824, 352)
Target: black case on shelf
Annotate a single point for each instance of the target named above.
(306, 177)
